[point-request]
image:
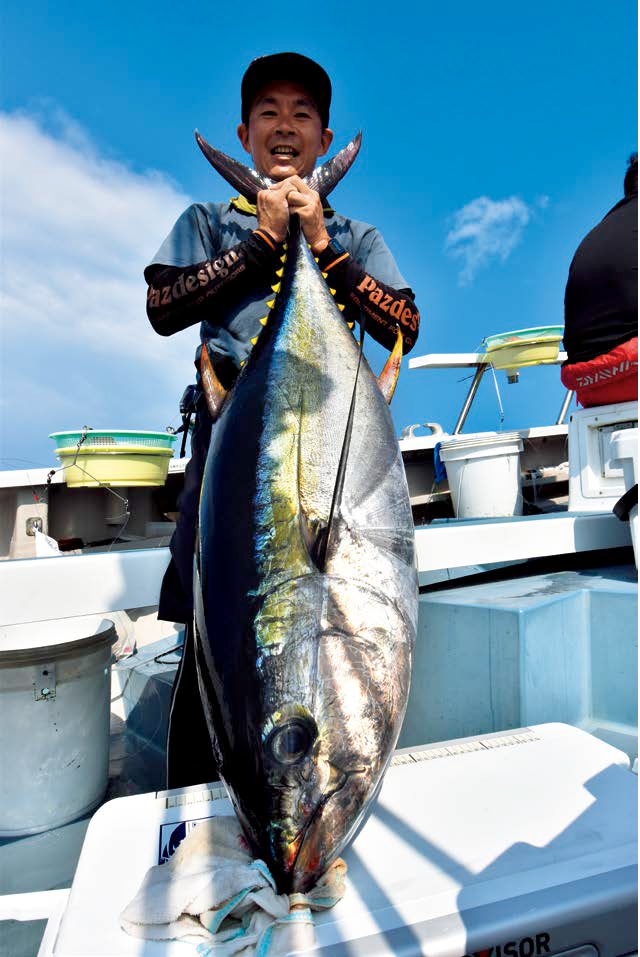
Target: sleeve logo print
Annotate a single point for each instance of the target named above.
(216, 269)
(396, 308)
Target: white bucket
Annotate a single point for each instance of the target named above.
(483, 470)
(54, 733)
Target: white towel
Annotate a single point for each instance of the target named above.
(212, 892)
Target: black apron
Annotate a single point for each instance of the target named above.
(189, 755)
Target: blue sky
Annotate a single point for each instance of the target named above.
(517, 117)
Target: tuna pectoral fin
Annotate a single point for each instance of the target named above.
(388, 378)
(214, 392)
(325, 540)
(314, 538)
(313, 533)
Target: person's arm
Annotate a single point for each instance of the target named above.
(178, 295)
(386, 308)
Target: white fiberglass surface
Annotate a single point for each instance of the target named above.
(48, 634)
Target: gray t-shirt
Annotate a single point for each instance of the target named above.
(206, 229)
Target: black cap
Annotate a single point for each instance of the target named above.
(293, 67)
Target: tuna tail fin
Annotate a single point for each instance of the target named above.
(246, 181)
(326, 177)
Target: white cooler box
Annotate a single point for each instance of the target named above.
(522, 844)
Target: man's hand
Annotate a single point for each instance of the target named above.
(307, 204)
(293, 195)
(273, 211)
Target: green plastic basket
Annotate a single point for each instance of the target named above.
(114, 457)
(524, 347)
(524, 336)
(113, 439)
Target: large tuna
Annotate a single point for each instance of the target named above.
(306, 589)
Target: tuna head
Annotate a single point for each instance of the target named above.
(334, 661)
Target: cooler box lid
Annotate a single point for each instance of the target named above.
(518, 844)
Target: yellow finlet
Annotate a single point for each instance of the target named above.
(351, 325)
(332, 291)
(284, 246)
(253, 341)
(276, 288)
(243, 363)
(264, 320)
(271, 304)
(340, 306)
(279, 273)
(324, 275)
(283, 259)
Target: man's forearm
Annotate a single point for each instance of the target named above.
(386, 308)
(177, 296)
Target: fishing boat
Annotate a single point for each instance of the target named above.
(505, 824)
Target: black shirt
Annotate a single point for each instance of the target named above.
(601, 298)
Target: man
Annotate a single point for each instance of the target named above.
(217, 268)
(601, 306)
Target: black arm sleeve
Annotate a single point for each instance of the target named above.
(177, 295)
(386, 308)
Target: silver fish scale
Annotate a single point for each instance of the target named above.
(312, 377)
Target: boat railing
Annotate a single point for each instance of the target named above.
(39, 589)
(480, 362)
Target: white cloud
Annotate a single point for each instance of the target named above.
(483, 230)
(77, 231)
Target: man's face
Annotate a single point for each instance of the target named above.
(284, 134)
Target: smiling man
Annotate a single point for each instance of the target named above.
(217, 268)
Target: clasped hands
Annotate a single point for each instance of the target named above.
(292, 195)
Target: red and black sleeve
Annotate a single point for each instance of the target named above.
(177, 295)
(386, 308)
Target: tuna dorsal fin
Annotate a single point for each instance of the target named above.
(214, 392)
(388, 378)
(326, 177)
(248, 182)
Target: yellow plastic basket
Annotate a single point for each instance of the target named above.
(117, 458)
(524, 347)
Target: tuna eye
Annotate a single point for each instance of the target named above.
(290, 743)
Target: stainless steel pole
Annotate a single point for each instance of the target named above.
(480, 371)
(565, 406)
